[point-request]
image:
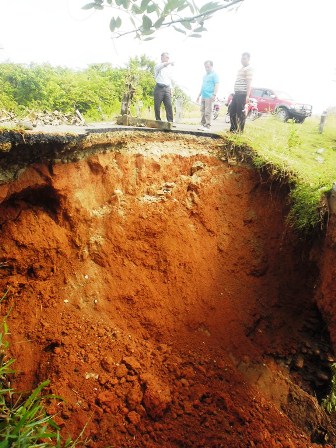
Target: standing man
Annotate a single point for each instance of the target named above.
(208, 95)
(162, 91)
(242, 90)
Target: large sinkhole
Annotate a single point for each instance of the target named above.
(156, 283)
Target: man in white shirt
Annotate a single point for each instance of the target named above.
(162, 91)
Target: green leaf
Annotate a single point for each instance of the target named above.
(195, 35)
(159, 22)
(200, 20)
(171, 5)
(100, 7)
(179, 30)
(200, 29)
(146, 22)
(89, 6)
(144, 4)
(126, 3)
(148, 32)
(135, 9)
(208, 7)
(151, 8)
(192, 9)
(113, 25)
(186, 24)
(182, 6)
(149, 38)
(32, 397)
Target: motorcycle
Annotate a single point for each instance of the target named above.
(251, 110)
(215, 110)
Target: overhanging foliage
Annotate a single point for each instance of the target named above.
(144, 18)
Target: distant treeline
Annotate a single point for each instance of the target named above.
(96, 91)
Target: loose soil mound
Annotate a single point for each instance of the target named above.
(160, 290)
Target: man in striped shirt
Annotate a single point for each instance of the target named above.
(242, 90)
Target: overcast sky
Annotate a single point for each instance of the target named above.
(292, 43)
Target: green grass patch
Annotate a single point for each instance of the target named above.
(329, 402)
(302, 155)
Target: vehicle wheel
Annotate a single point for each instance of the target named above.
(253, 115)
(282, 114)
(299, 120)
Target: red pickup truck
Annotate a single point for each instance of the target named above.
(280, 104)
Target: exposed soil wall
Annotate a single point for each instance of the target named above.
(154, 280)
(326, 291)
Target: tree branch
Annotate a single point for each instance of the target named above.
(146, 30)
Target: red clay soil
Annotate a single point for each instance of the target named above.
(160, 290)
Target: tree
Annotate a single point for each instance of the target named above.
(146, 17)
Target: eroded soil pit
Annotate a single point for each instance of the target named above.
(153, 279)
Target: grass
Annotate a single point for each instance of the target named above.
(302, 155)
(329, 402)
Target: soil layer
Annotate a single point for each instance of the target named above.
(156, 284)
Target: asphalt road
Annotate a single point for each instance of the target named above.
(217, 125)
(186, 125)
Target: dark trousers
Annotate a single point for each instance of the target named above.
(162, 94)
(237, 112)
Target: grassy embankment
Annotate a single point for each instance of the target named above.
(301, 155)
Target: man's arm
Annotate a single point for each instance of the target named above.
(216, 90)
(216, 81)
(159, 67)
(199, 95)
(249, 75)
(249, 86)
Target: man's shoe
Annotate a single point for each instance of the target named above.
(203, 128)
